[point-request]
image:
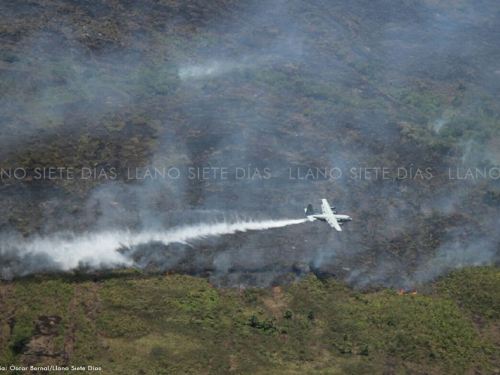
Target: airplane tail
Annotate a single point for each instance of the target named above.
(309, 212)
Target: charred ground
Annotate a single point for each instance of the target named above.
(127, 86)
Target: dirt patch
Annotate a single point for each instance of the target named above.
(43, 346)
(233, 363)
(278, 302)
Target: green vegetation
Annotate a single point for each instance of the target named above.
(127, 323)
(476, 289)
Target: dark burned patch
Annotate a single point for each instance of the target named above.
(47, 42)
(200, 260)
(42, 346)
(47, 325)
(16, 9)
(12, 323)
(99, 10)
(293, 127)
(156, 257)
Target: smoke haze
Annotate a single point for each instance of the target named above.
(268, 91)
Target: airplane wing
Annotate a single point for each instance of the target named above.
(330, 217)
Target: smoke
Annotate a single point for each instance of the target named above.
(68, 251)
(438, 124)
(210, 69)
(453, 256)
(262, 86)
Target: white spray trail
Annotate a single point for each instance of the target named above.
(98, 250)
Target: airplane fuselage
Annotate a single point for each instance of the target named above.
(328, 215)
(340, 218)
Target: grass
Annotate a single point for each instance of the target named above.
(477, 290)
(128, 323)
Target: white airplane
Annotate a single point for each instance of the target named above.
(328, 215)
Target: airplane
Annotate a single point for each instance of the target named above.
(328, 215)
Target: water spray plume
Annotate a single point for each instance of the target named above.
(64, 252)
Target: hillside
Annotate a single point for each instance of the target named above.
(138, 136)
(126, 323)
